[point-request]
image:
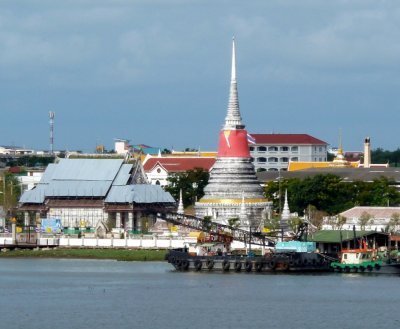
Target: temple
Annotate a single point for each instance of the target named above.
(233, 191)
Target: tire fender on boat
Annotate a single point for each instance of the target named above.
(198, 264)
(238, 266)
(272, 264)
(210, 264)
(248, 266)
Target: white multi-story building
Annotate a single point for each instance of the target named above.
(273, 152)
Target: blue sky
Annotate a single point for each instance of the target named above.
(157, 72)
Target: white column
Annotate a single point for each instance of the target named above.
(118, 221)
(26, 218)
(130, 221)
(139, 221)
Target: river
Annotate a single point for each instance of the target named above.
(69, 294)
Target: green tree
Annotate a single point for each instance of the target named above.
(191, 182)
(206, 224)
(294, 224)
(330, 194)
(10, 194)
(234, 222)
(394, 222)
(341, 220)
(272, 223)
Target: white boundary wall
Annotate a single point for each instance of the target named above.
(145, 242)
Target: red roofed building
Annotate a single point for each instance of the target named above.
(159, 168)
(273, 152)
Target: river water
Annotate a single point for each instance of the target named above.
(61, 294)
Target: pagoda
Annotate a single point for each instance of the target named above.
(233, 190)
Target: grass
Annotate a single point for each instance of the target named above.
(116, 254)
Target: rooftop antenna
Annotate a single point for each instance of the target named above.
(51, 117)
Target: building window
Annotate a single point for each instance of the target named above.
(251, 159)
(284, 159)
(272, 159)
(158, 170)
(273, 169)
(295, 149)
(157, 182)
(320, 149)
(273, 149)
(262, 160)
(262, 149)
(294, 159)
(284, 149)
(251, 148)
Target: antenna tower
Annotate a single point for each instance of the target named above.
(51, 117)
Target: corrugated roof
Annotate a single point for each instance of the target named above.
(287, 139)
(140, 193)
(87, 169)
(36, 195)
(48, 174)
(77, 188)
(375, 212)
(334, 235)
(123, 175)
(79, 178)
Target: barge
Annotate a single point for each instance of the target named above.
(293, 256)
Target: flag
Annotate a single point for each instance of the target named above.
(251, 139)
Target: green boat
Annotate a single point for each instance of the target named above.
(358, 260)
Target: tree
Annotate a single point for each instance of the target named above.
(294, 224)
(394, 222)
(191, 182)
(330, 194)
(364, 220)
(341, 220)
(272, 223)
(10, 194)
(206, 224)
(234, 222)
(315, 216)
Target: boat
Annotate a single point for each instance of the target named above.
(365, 259)
(290, 256)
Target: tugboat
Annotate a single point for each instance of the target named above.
(365, 259)
(360, 259)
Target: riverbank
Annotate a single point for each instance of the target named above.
(115, 254)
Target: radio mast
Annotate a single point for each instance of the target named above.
(51, 117)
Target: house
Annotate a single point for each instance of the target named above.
(273, 152)
(90, 193)
(369, 218)
(158, 168)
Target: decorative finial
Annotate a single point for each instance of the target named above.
(180, 210)
(233, 120)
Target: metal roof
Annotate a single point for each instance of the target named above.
(97, 178)
(123, 175)
(333, 236)
(77, 188)
(139, 193)
(48, 174)
(36, 195)
(87, 169)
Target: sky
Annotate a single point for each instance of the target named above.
(157, 72)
